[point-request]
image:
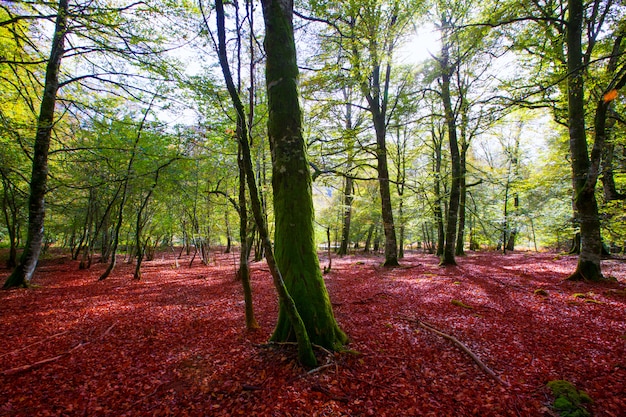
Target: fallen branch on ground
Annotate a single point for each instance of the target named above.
(41, 362)
(33, 344)
(457, 342)
(54, 358)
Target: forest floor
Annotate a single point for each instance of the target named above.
(175, 343)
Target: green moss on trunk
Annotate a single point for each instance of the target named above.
(295, 249)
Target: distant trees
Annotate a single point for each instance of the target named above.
(96, 31)
(389, 143)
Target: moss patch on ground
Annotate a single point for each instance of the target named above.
(568, 400)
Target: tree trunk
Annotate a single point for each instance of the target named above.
(391, 245)
(10, 208)
(347, 216)
(348, 188)
(23, 273)
(510, 245)
(437, 212)
(368, 238)
(460, 237)
(603, 126)
(295, 249)
(243, 273)
(584, 197)
(307, 315)
(447, 257)
(608, 180)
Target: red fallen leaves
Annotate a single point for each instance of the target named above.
(175, 344)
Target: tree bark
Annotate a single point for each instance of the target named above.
(10, 208)
(23, 273)
(295, 249)
(391, 245)
(584, 197)
(447, 257)
(348, 189)
(460, 237)
(243, 273)
(347, 217)
(438, 213)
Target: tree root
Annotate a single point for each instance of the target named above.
(457, 342)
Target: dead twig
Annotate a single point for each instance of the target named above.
(320, 368)
(54, 358)
(465, 349)
(41, 362)
(33, 344)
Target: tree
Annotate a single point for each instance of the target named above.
(100, 34)
(575, 29)
(305, 312)
(23, 273)
(447, 69)
(584, 176)
(295, 248)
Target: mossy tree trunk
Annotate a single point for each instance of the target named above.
(23, 273)
(295, 249)
(585, 203)
(280, 50)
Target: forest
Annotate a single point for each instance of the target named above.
(374, 207)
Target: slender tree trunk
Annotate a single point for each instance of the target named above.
(10, 211)
(460, 237)
(447, 257)
(437, 212)
(510, 245)
(347, 216)
(243, 273)
(608, 180)
(368, 238)
(391, 245)
(584, 197)
(604, 125)
(141, 223)
(348, 188)
(23, 273)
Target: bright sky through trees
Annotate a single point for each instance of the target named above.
(421, 46)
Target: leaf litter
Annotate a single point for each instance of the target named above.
(175, 343)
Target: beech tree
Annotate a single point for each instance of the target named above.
(23, 273)
(561, 80)
(99, 33)
(295, 248)
(305, 312)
